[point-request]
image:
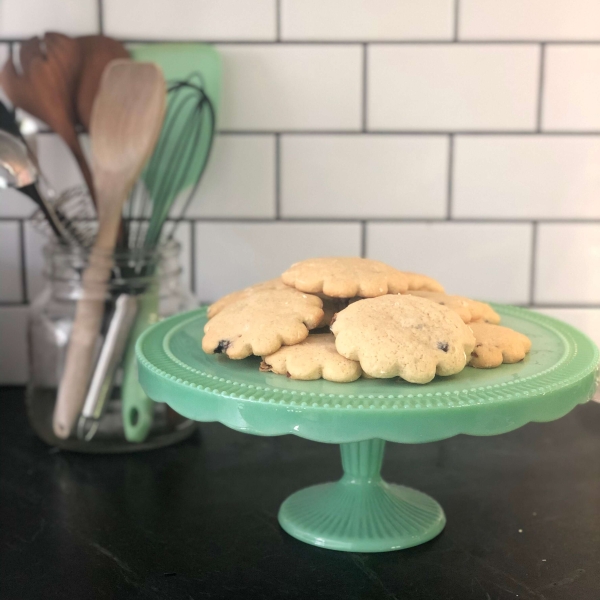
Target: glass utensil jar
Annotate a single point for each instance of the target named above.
(145, 285)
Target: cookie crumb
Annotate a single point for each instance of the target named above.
(265, 367)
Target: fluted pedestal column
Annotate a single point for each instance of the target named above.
(361, 512)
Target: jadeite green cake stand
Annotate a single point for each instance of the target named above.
(361, 512)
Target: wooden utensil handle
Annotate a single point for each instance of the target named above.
(78, 365)
(86, 328)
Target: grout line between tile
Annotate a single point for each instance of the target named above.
(540, 105)
(456, 19)
(373, 219)
(192, 225)
(278, 20)
(565, 306)
(398, 132)
(100, 16)
(365, 82)
(533, 264)
(450, 176)
(347, 42)
(408, 132)
(23, 256)
(363, 239)
(277, 177)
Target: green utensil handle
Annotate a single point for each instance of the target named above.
(138, 409)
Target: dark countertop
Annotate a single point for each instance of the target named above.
(199, 520)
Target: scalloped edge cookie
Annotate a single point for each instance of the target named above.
(495, 344)
(469, 310)
(345, 277)
(314, 358)
(419, 282)
(261, 322)
(216, 307)
(403, 335)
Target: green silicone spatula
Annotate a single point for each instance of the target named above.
(183, 141)
(186, 138)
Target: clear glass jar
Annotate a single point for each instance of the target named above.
(151, 280)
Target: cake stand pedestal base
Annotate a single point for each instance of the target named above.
(361, 512)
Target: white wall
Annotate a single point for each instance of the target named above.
(457, 138)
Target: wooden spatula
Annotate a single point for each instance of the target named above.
(47, 86)
(126, 120)
(96, 52)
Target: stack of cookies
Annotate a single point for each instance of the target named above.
(343, 318)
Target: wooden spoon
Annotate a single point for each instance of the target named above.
(46, 88)
(126, 120)
(96, 51)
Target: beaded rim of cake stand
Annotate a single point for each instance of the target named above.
(544, 382)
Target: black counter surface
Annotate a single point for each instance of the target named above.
(199, 520)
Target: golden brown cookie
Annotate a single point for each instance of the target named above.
(219, 305)
(469, 310)
(402, 335)
(345, 277)
(261, 322)
(495, 345)
(416, 281)
(313, 358)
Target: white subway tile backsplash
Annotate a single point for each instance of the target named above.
(14, 204)
(57, 163)
(183, 235)
(13, 346)
(230, 256)
(488, 261)
(571, 88)
(337, 20)
(362, 176)
(452, 87)
(568, 264)
(526, 177)
(11, 289)
(239, 180)
(25, 18)
(291, 87)
(191, 19)
(339, 125)
(529, 20)
(585, 319)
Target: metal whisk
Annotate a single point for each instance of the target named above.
(175, 169)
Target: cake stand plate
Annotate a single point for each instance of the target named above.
(361, 512)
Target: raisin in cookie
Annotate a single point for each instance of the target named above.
(261, 322)
(495, 345)
(219, 305)
(469, 310)
(344, 277)
(418, 282)
(313, 358)
(405, 336)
